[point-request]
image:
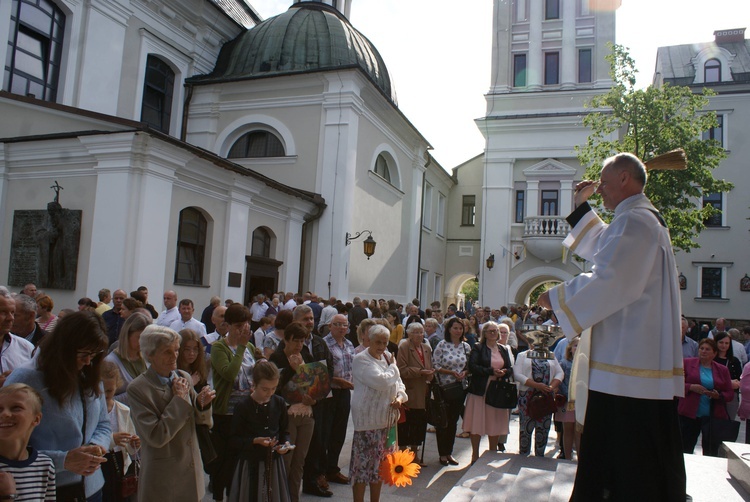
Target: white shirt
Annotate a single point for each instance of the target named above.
(192, 323)
(288, 305)
(14, 352)
(258, 310)
(167, 317)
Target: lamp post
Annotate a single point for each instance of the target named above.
(491, 261)
(369, 243)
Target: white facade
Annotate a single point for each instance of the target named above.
(714, 271)
(548, 60)
(132, 183)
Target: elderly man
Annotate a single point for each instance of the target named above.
(15, 351)
(217, 318)
(334, 436)
(187, 321)
(258, 310)
(326, 315)
(170, 313)
(30, 290)
(314, 481)
(631, 293)
(431, 333)
(25, 324)
(112, 316)
(689, 346)
(207, 314)
(105, 296)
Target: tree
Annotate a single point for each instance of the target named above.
(649, 122)
(470, 289)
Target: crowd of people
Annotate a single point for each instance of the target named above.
(114, 385)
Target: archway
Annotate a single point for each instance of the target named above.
(453, 288)
(525, 283)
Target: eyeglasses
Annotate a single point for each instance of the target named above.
(86, 354)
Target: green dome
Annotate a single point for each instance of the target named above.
(308, 37)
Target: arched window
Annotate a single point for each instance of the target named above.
(712, 71)
(256, 144)
(191, 247)
(261, 243)
(35, 40)
(382, 169)
(158, 87)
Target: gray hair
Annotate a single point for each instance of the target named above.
(154, 337)
(301, 310)
(630, 163)
(5, 293)
(27, 303)
(379, 330)
(432, 322)
(414, 327)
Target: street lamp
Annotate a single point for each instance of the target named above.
(369, 243)
(491, 261)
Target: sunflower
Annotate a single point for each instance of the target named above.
(398, 468)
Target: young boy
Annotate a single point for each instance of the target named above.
(25, 474)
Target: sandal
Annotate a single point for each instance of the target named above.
(463, 435)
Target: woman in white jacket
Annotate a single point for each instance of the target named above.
(541, 375)
(376, 399)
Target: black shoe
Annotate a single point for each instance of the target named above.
(501, 447)
(452, 460)
(317, 491)
(443, 461)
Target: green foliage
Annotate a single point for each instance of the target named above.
(649, 122)
(534, 296)
(470, 289)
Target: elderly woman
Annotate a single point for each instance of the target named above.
(489, 360)
(75, 429)
(451, 360)
(504, 333)
(46, 319)
(415, 365)
(540, 375)
(287, 358)
(567, 414)
(165, 409)
(377, 397)
(706, 382)
(127, 355)
(232, 360)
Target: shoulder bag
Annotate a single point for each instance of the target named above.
(502, 394)
(436, 408)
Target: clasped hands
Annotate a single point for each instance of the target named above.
(85, 460)
(699, 389)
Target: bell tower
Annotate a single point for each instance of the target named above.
(548, 61)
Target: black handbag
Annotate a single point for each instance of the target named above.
(72, 493)
(205, 445)
(501, 394)
(453, 391)
(719, 430)
(436, 408)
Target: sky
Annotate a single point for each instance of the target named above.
(438, 53)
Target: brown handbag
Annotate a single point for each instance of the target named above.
(543, 404)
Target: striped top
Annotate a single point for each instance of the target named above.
(34, 477)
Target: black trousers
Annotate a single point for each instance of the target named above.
(334, 436)
(412, 432)
(630, 450)
(447, 436)
(222, 469)
(316, 460)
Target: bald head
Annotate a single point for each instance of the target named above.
(217, 318)
(623, 176)
(170, 299)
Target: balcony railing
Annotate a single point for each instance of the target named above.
(545, 226)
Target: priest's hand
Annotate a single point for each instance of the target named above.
(584, 190)
(543, 300)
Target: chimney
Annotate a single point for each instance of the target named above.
(726, 36)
